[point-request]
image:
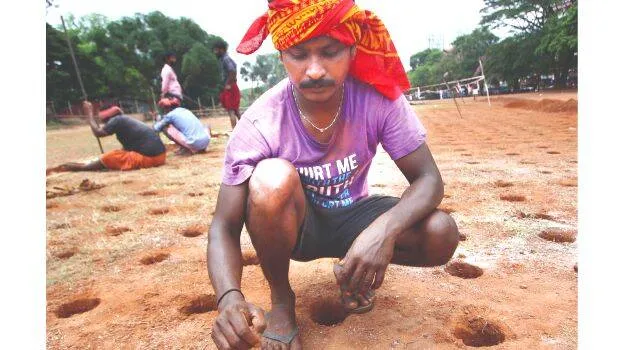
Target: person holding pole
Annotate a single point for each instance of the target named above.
(230, 96)
(295, 172)
(142, 147)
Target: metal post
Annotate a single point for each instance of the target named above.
(69, 108)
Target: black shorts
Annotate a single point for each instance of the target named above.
(330, 233)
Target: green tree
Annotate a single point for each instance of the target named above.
(123, 58)
(548, 29)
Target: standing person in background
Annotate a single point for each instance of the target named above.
(230, 96)
(170, 86)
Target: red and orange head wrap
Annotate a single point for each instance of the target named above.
(109, 113)
(291, 22)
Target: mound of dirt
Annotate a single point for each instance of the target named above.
(116, 230)
(544, 105)
(558, 235)
(154, 258)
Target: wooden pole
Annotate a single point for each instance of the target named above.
(73, 58)
(484, 79)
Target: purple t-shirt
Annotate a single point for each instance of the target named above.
(333, 175)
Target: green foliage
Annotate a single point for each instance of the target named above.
(545, 41)
(123, 58)
(266, 72)
(429, 66)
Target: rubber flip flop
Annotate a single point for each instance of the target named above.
(284, 339)
(363, 308)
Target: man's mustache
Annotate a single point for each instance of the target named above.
(317, 83)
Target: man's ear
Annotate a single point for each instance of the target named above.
(353, 52)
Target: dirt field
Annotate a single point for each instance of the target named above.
(126, 264)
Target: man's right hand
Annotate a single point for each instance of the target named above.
(87, 108)
(239, 325)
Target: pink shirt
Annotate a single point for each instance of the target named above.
(169, 81)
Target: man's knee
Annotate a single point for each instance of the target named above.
(273, 183)
(442, 237)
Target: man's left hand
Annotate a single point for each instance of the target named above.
(365, 263)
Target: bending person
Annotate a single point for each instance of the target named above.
(182, 127)
(296, 166)
(142, 148)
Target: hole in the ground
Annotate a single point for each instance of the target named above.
(502, 183)
(553, 152)
(63, 225)
(249, 257)
(478, 331)
(127, 182)
(195, 194)
(201, 304)
(77, 307)
(149, 193)
(159, 211)
(116, 230)
(51, 205)
(193, 230)
(66, 254)
(575, 267)
(111, 208)
(527, 162)
(466, 154)
(541, 216)
(462, 269)
(542, 147)
(545, 172)
(568, 183)
(328, 312)
(472, 162)
(154, 258)
(512, 154)
(447, 210)
(513, 198)
(558, 235)
(462, 236)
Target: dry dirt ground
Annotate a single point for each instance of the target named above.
(126, 265)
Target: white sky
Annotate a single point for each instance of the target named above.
(410, 22)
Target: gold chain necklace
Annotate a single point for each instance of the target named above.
(337, 114)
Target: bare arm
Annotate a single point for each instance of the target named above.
(422, 196)
(97, 130)
(231, 79)
(239, 324)
(367, 259)
(224, 254)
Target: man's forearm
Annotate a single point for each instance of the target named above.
(418, 200)
(224, 262)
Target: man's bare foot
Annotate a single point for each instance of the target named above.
(281, 331)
